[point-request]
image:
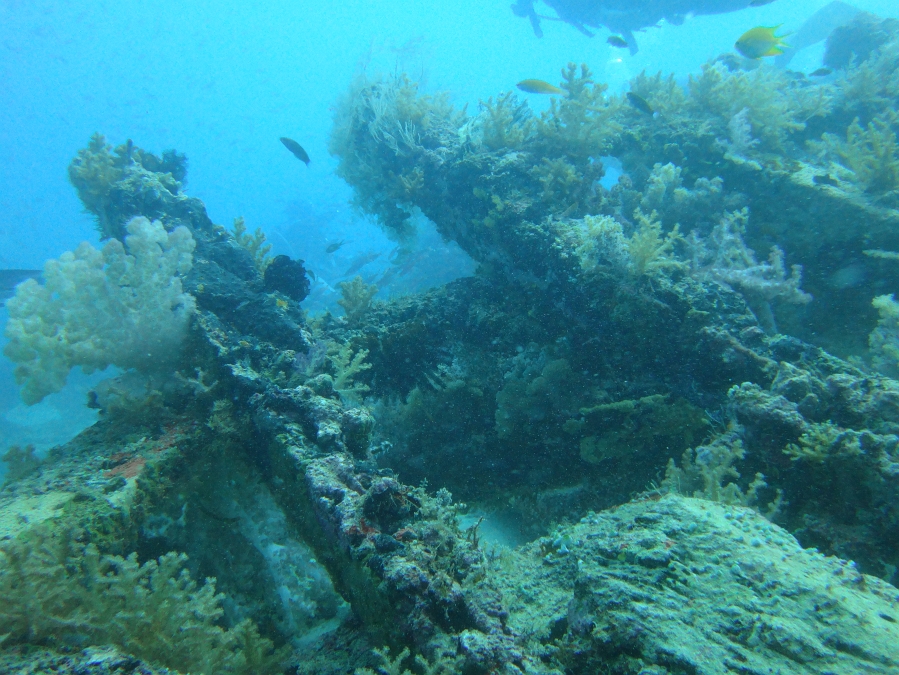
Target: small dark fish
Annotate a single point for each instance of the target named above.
(216, 516)
(826, 179)
(361, 262)
(538, 87)
(760, 3)
(333, 247)
(821, 72)
(9, 279)
(296, 149)
(639, 103)
(617, 41)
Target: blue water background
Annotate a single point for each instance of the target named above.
(222, 81)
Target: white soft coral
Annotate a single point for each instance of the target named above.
(123, 305)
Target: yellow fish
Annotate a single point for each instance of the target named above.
(538, 87)
(760, 41)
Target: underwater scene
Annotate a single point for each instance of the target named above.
(423, 338)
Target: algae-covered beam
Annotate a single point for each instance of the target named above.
(395, 552)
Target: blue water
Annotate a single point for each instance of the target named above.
(222, 81)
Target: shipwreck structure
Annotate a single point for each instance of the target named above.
(693, 436)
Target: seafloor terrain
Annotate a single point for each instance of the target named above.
(698, 439)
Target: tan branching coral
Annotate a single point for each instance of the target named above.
(651, 251)
(771, 106)
(254, 243)
(646, 252)
(356, 297)
(580, 124)
(872, 85)
(99, 172)
(57, 590)
(346, 366)
(664, 94)
(503, 124)
(873, 154)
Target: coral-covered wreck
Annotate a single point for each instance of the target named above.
(633, 378)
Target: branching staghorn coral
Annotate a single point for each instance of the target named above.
(661, 186)
(823, 440)
(708, 472)
(122, 306)
(740, 142)
(603, 244)
(444, 665)
(562, 182)
(699, 207)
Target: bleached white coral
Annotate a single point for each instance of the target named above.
(603, 243)
(661, 185)
(740, 132)
(122, 305)
(725, 257)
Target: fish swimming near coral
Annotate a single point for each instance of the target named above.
(821, 72)
(538, 87)
(335, 246)
(296, 149)
(761, 41)
(617, 41)
(361, 262)
(622, 17)
(639, 103)
(9, 279)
